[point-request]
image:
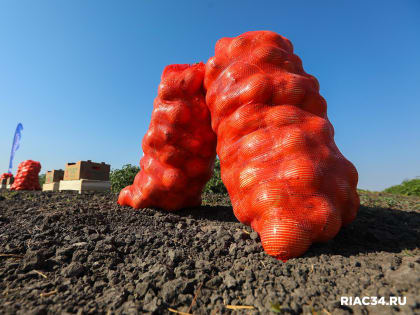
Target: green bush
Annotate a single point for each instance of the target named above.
(123, 177)
(407, 187)
(215, 184)
(41, 179)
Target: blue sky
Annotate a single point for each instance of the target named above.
(81, 76)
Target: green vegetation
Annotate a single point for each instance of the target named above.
(374, 199)
(123, 177)
(41, 179)
(276, 308)
(215, 184)
(407, 188)
(8, 194)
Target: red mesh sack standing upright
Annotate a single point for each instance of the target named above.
(284, 174)
(27, 176)
(179, 147)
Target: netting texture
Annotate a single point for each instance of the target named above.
(179, 146)
(27, 176)
(279, 162)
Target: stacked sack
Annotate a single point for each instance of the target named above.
(284, 173)
(27, 176)
(179, 147)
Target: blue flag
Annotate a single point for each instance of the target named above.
(15, 146)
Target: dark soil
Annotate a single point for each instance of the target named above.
(64, 253)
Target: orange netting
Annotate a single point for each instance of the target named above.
(284, 174)
(27, 176)
(179, 147)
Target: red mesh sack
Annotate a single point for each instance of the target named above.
(5, 176)
(27, 176)
(179, 147)
(284, 174)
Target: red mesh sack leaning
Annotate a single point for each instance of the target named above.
(27, 176)
(179, 147)
(284, 174)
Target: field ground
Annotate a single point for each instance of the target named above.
(64, 253)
